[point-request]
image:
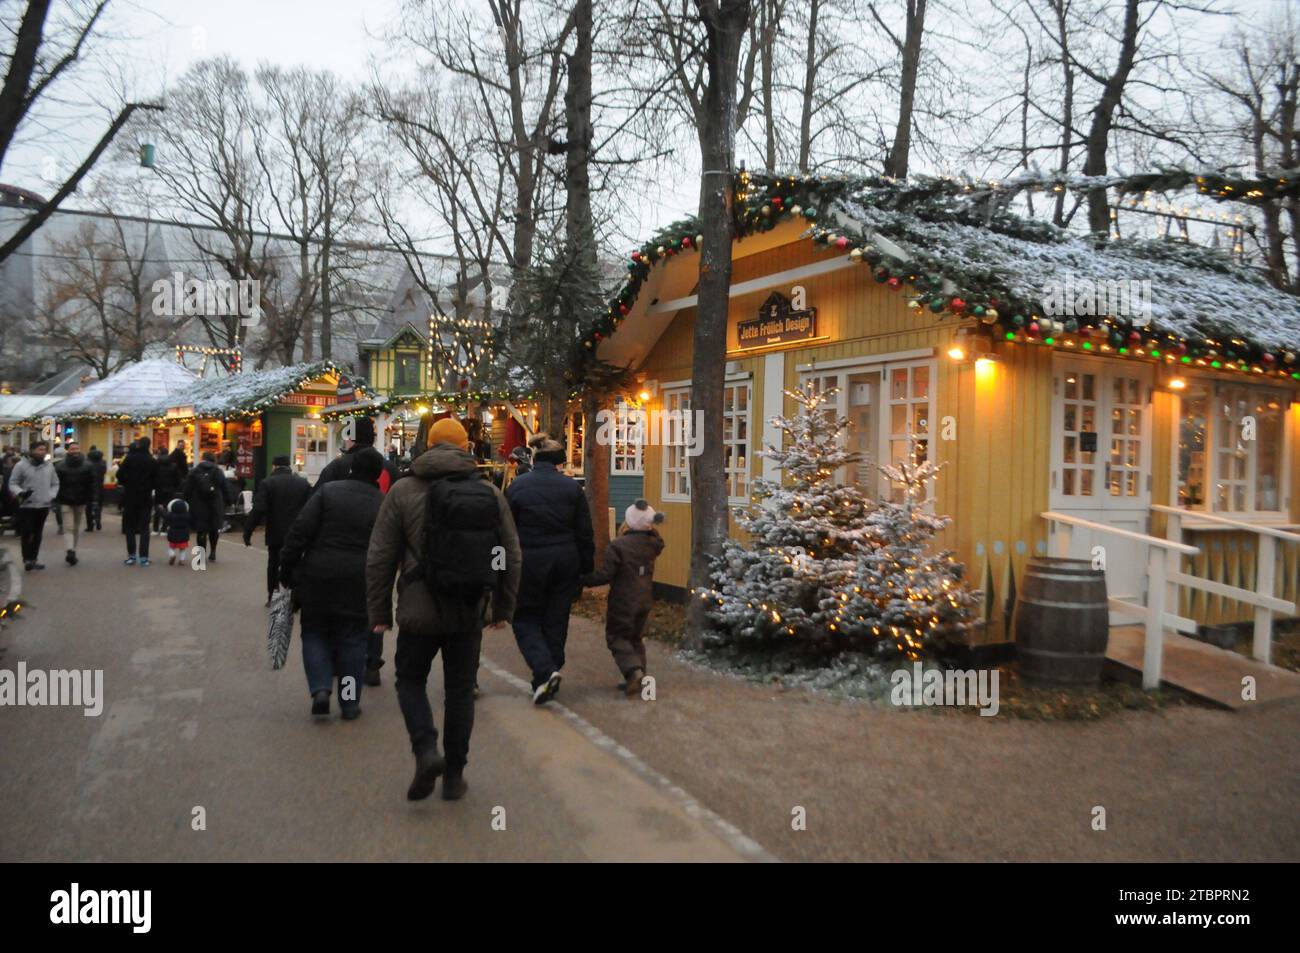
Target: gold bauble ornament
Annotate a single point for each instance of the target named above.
(855, 255)
(796, 209)
(990, 316)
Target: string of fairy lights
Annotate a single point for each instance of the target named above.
(761, 202)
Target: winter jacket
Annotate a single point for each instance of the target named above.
(398, 540)
(207, 514)
(96, 459)
(77, 480)
(551, 512)
(178, 522)
(168, 485)
(137, 475)
(324, 555)
(629, 571)
(340, 468)
(277, 501)
(180, 464)
(40, 478)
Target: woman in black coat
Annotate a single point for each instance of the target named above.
(137, 476)
(205, 490)
(324, 560)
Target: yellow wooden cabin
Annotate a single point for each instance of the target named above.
(1093, 418)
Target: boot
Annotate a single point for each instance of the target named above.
(372, 673)
(633, 686)
(320, 702)
(454, 785)
(428, 766)
(71, 558)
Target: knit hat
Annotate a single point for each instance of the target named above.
(449, 430)
(367, 464)
(364, 431)
(641, 516)
(542, 443)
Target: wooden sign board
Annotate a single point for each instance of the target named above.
(777, 323)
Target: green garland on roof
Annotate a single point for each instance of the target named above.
(966, 290)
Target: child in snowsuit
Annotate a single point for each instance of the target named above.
(178, 531)
(629, 570)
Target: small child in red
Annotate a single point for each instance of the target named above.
(629, 570)
(178, 531)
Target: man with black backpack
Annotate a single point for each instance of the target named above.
(447, 536)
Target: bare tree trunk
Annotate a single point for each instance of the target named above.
(724, 22)
(909, 48)
(581, 236)
(809, 80)
(1103, 117)
(1061, 8)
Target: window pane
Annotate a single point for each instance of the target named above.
(1192, 432)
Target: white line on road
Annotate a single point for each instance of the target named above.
(737, 839)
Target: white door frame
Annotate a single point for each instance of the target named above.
(1125, 561)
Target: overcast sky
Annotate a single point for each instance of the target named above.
(151, 42)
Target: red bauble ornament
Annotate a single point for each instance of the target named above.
(841, 242)
(686, 242)
(776, 201)
(636, 256)
(597, 336)
(1269, 359)
(1135, 337)
(894, 284)
(1085, 330)
(956, 305)
(622, 308)
(1032, 329)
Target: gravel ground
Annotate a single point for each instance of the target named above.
(877, 783)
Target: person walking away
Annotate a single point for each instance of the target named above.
(36, 486)
(95, 508)
(180, 461)
(324, 560)
(205, 491)
(76, 491)
(554, 524)
(446, 535)
(137, 475)
(167, 489)
(276, 502)
(178, 531)
(363, 437)
(629, 572)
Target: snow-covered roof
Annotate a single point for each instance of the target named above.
(251, 391)
(151, 383)
(957, 256)
(17, 407)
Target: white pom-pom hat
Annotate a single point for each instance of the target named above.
(641, 516)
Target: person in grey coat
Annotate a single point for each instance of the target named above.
(36, 486)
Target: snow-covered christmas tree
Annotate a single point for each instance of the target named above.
(804, 534)
(905, 594)
(830, 567)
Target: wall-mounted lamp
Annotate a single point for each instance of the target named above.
(967, 345)
(1177, 383)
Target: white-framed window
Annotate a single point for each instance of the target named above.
(573, 426)
(890, 406)
(735, 439)
(677, 471)
(736, 396)
(627, 453)
(1231, 454)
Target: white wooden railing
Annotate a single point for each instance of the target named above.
(1261, 597)
(1165, 575)
(1160, 553)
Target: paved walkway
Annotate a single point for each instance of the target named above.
(195, 719)
(716, 768)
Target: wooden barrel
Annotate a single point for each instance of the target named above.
(1062, 622)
